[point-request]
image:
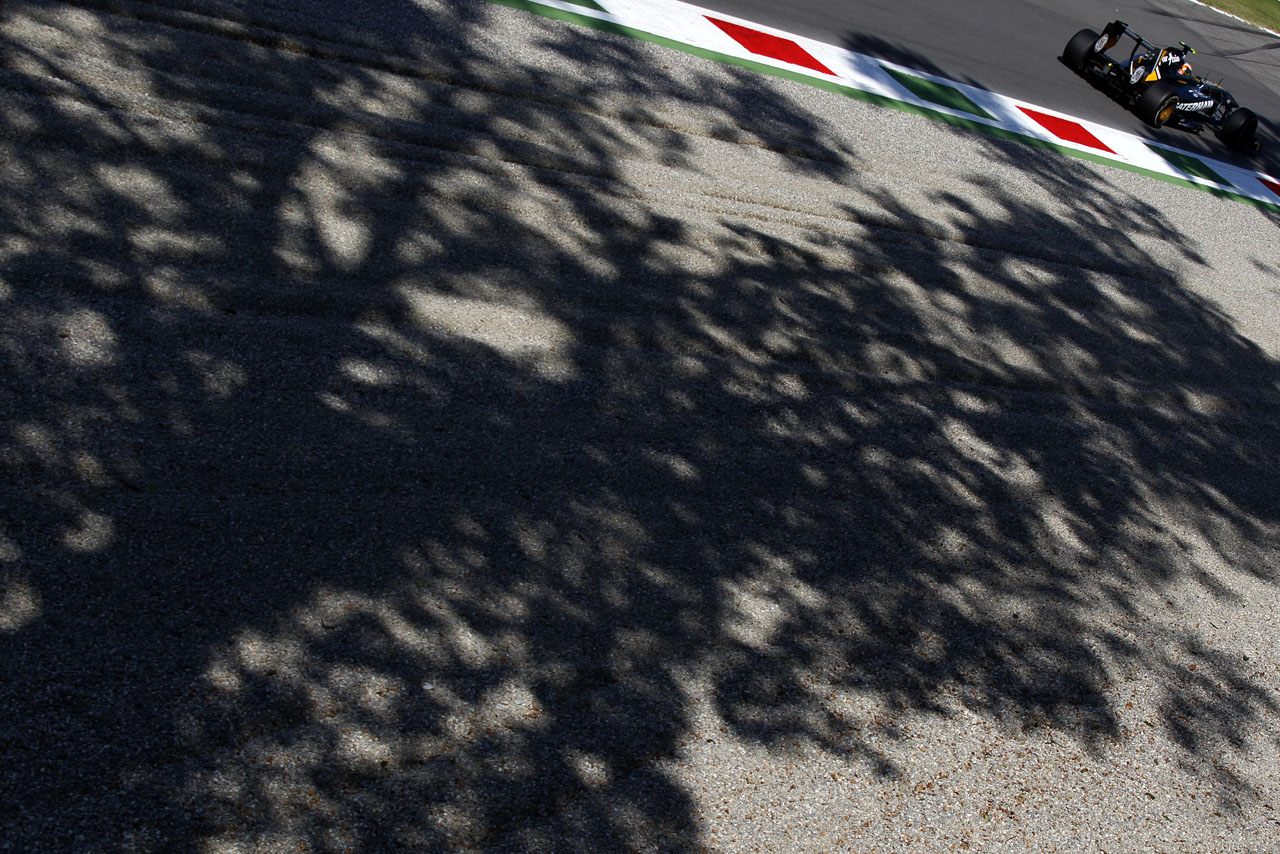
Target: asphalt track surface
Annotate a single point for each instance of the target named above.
(1014, 48)
(432, 427)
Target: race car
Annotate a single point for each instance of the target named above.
(1158, 85)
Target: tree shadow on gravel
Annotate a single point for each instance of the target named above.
(405, 434)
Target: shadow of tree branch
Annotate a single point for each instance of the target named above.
(412, 441)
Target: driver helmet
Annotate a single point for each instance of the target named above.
(1185, 69)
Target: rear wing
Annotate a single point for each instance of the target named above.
(1111, 36)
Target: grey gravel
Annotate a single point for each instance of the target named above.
(427, 426)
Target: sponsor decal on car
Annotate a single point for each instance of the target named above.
(1191, 106)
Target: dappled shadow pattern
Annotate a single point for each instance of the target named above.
(399, 428)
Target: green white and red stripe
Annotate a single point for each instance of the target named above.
(727, 39)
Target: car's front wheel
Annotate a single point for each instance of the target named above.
(1240, 130)
(1157, 104)
(1082, 46)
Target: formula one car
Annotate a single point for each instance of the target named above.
(1156, 83)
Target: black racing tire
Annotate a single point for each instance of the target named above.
(1157, 104)
(1240, 130)
(1077, 52)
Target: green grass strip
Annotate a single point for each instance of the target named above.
(1189, 165)
(938, 93)
(1263, 13)
(869, 97)
(588, 3)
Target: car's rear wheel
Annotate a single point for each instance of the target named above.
(1157, 105)
(1077, 52)
(1240, 130)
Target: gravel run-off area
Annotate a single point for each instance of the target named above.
(425, 426)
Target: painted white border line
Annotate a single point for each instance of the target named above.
(692, 26)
